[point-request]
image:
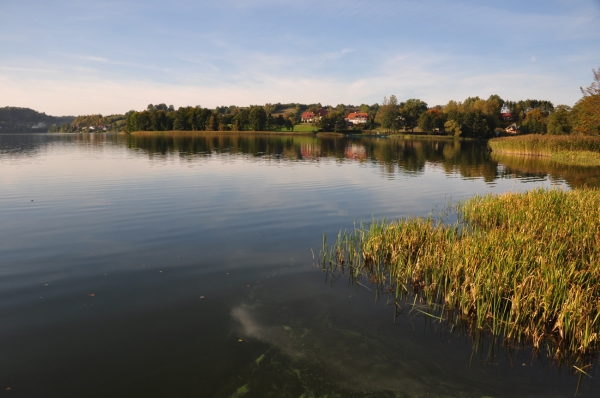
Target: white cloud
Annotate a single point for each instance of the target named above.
(363, 51)
(434, 79)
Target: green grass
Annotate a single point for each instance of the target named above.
(523, 266)
(571, 150)
(330, 134)
(305, 128)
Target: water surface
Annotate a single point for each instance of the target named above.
(158, 266)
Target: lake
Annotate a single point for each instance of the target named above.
(182, 266)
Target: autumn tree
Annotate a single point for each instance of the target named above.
(452, 127)
(535, 122)
(586, 112)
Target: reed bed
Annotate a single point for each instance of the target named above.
(521, 266)
(565, 149)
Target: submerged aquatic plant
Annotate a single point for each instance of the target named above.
(521, 266)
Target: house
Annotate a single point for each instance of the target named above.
(512, 129)
(507, 117)
(357, 118)
(307, 117)
(322, 112)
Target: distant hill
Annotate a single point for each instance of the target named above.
(25, 120)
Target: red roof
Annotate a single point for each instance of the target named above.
(322, 112)
(358, 115)
(308, 115)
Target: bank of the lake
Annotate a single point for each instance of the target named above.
(524, 266)
(564, 149)
(230, 132)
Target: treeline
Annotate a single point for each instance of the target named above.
(15, 119)
(476, 117)
(473, 117)
(164, 118)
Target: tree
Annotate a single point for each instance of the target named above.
(200, 118)
(431, 120)
(258, 118)
(535, 122)
(586, 112)
(452, 127)
(159, 121)
(279, 122)
(333, 121)
(289, 124)
(241, 120)
(388, 116)
(411, 111)
(559, 122)
(586, 116)
(182, 120)
(213, 122)
(269, 108)
(594, 88)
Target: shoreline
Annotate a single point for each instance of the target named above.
(245, 132)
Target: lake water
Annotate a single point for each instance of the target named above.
(161, 266)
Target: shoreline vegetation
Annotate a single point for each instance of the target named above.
(244, 132)
(521, 268)
(474, 117)
(568, 150)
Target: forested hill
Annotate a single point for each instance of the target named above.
(14, 119)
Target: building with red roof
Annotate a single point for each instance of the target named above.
(307, 117)
(358, 118)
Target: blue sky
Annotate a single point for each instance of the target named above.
(81, 57)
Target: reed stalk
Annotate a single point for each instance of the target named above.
(524, 266)
(570, 150)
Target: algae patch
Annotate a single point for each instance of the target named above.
(240, 392)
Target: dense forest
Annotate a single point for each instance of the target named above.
(14, 119)
(257, 118)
